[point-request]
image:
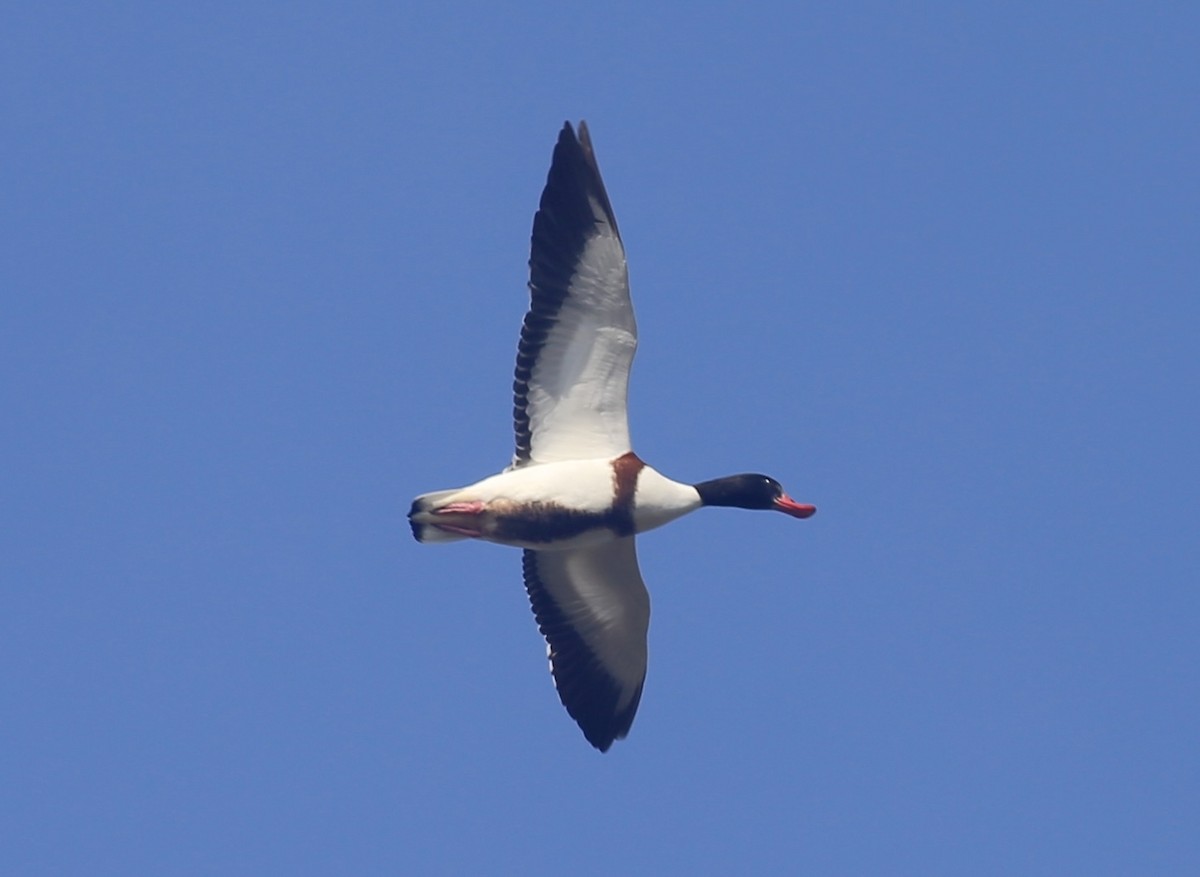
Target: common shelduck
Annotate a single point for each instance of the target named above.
(575, 495)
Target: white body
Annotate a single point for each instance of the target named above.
(585, 486)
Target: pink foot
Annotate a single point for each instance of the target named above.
(460, 526)
(460, 508)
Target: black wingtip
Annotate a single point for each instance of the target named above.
(585, 137)
(583, 164)
(603, 736)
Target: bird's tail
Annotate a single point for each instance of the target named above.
(421, 519)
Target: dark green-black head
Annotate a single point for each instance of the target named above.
(751, 491)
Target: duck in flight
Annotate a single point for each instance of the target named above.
(576, 495)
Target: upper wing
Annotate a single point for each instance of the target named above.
(579, 336)
(593, 609)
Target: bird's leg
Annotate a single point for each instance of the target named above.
(460, 508)
(460, 526)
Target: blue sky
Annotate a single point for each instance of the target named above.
(934, 267)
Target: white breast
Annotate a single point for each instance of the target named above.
(658, 500)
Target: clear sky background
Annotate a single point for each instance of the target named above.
(935, 267)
